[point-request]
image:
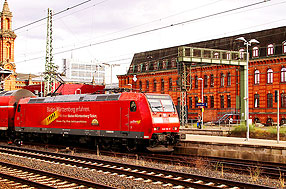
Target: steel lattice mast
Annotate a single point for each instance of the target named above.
(50, 68)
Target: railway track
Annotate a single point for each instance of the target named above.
(147, 174)
(272, 170)
(23, 177)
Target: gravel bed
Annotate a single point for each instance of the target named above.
(202, 168)
(86, 174)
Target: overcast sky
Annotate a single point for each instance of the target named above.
(103, 20)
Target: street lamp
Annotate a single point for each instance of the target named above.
(110, 65)
(201, 79)
(247, 43)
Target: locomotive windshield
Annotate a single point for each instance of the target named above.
(160, 103)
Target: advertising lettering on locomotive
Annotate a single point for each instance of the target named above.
(130, 120)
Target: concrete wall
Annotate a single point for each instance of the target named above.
(238, 151)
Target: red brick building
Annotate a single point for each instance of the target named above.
(157, 71)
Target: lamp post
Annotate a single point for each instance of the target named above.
(110, 65)
(247, 43)
(201, 79)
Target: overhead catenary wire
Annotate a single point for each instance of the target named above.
(163, 27)
(57, 13)
(156, 29)
(136, 26)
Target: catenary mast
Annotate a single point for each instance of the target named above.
(50, 68)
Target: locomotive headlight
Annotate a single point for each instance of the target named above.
(175, 128)
(156, 128)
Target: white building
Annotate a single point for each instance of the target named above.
(84, 71)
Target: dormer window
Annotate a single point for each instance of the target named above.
(216, 55)
(284, 47)
(270, 50)
(255, 52)
(241, 53)
(228, 56)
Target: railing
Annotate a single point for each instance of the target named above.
(193, 54)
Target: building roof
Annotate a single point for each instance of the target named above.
(273, 36)
(23, 76)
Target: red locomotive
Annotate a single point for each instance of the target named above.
(125, 119)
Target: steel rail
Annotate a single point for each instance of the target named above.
(154, 174)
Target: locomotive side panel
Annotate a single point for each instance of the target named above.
(106, 118)
(8, 103)
(3, 118)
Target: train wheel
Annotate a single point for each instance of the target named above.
(105, 144)
(131, 146)
(18, 142)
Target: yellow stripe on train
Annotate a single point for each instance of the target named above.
(48, 120)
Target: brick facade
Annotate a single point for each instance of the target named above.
(222, 94)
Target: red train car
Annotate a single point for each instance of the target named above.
(8, 103)
(129, 119)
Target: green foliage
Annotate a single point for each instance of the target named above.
(255, 132)
(273, 130)
(242, 128)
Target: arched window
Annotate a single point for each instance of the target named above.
(256, 100)
(283, 74)
(196, 101)
(228, 101)
(216, 55)
(139, 68)
(178, 83)
(228, 79)
(284, 47)
(162, 85)
(255, 52)
(190, 103)
(241, 53)
(269, 75)
(269, 100)
(256, 77)
(283, 100)
(212, 80)
(140, 85)
(154, 85)
(221, 101)
(228, 56)
(221, 79)
(8, 23)
(205, 81)
(270, 50)
(147, 85)
(8, 51)
(170, 84)
(206, 100)
(147, 67)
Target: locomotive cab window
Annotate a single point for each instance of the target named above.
(160, 103)
(19, 108)
(133, 106)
